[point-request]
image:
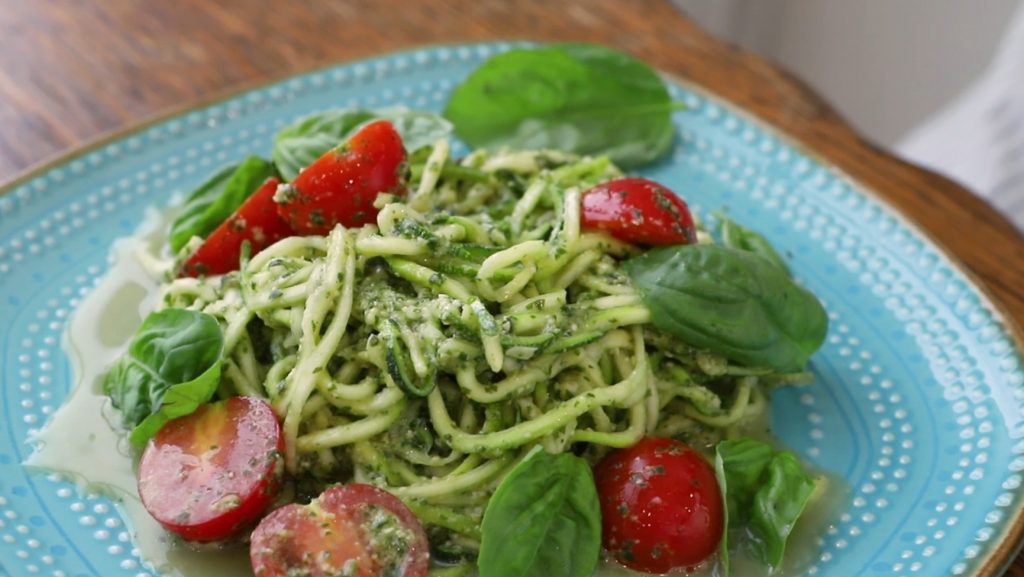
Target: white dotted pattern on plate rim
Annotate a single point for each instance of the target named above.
(962, 382)
(93, 512)
(35, 373)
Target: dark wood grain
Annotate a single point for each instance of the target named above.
(72, 70)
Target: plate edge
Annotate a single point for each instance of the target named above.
(1011, 540)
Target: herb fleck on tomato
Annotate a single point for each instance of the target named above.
(341, 186)
(354, 530)
(209, 475)
(638, 211)
(660, 504)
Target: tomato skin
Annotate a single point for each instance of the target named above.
(320, 539)
(341, 185)
(661, 507)
(255, 221)
(638, 211)
(209, 475)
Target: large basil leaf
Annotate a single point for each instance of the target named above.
(171, 367)
(218, 198)
(578, 98)
(738, 236)
(730, 302)
(765, 492)
(298, 145)
(544, 520)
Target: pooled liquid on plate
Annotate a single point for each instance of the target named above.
(82, 440)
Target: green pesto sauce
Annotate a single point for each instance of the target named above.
(81, 442)
(388, 538)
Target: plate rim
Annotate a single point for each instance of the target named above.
(1010, 541)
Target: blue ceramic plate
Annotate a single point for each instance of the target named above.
(919, 399)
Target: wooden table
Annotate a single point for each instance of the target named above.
(71, 71)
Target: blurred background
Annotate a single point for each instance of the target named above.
(886, 65)
(937, 81)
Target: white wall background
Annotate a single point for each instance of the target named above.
(886, 65)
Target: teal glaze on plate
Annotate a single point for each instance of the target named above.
(919, 397)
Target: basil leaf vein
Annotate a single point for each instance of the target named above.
(579, 98)
(730, 302)
(543, 520)
(171, 367)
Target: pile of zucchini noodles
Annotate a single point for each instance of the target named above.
(426, 354)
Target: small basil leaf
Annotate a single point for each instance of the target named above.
(777, 506)
(298, 145)
(418, 128)
(738, 236)
(739, 464)
(765, 491)
(579, 98)
(218, 198)
(743, 462)
(723, 486)
(544, 520)
(171, 367)
(730, 302)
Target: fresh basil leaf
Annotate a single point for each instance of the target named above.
(738, 467)
(218, 198)
(765, 492)
(171, 367)
(544, 520)
(579, 98)
(298, 145)
(731, 302)
(738, 236)
(723, 486)
(418, 128)
(746, 460)
(777, 505)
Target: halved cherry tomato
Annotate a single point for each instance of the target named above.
(255, 221)
(661, 508)
(208, 475)
(638, 211)
(356, 530)
(341, 185)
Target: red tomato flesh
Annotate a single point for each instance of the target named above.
(661, 507)
(638, 211)
(208, 475)
(341, 185)
(357, 530)
(255, 221)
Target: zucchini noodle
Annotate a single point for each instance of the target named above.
(428, 352)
